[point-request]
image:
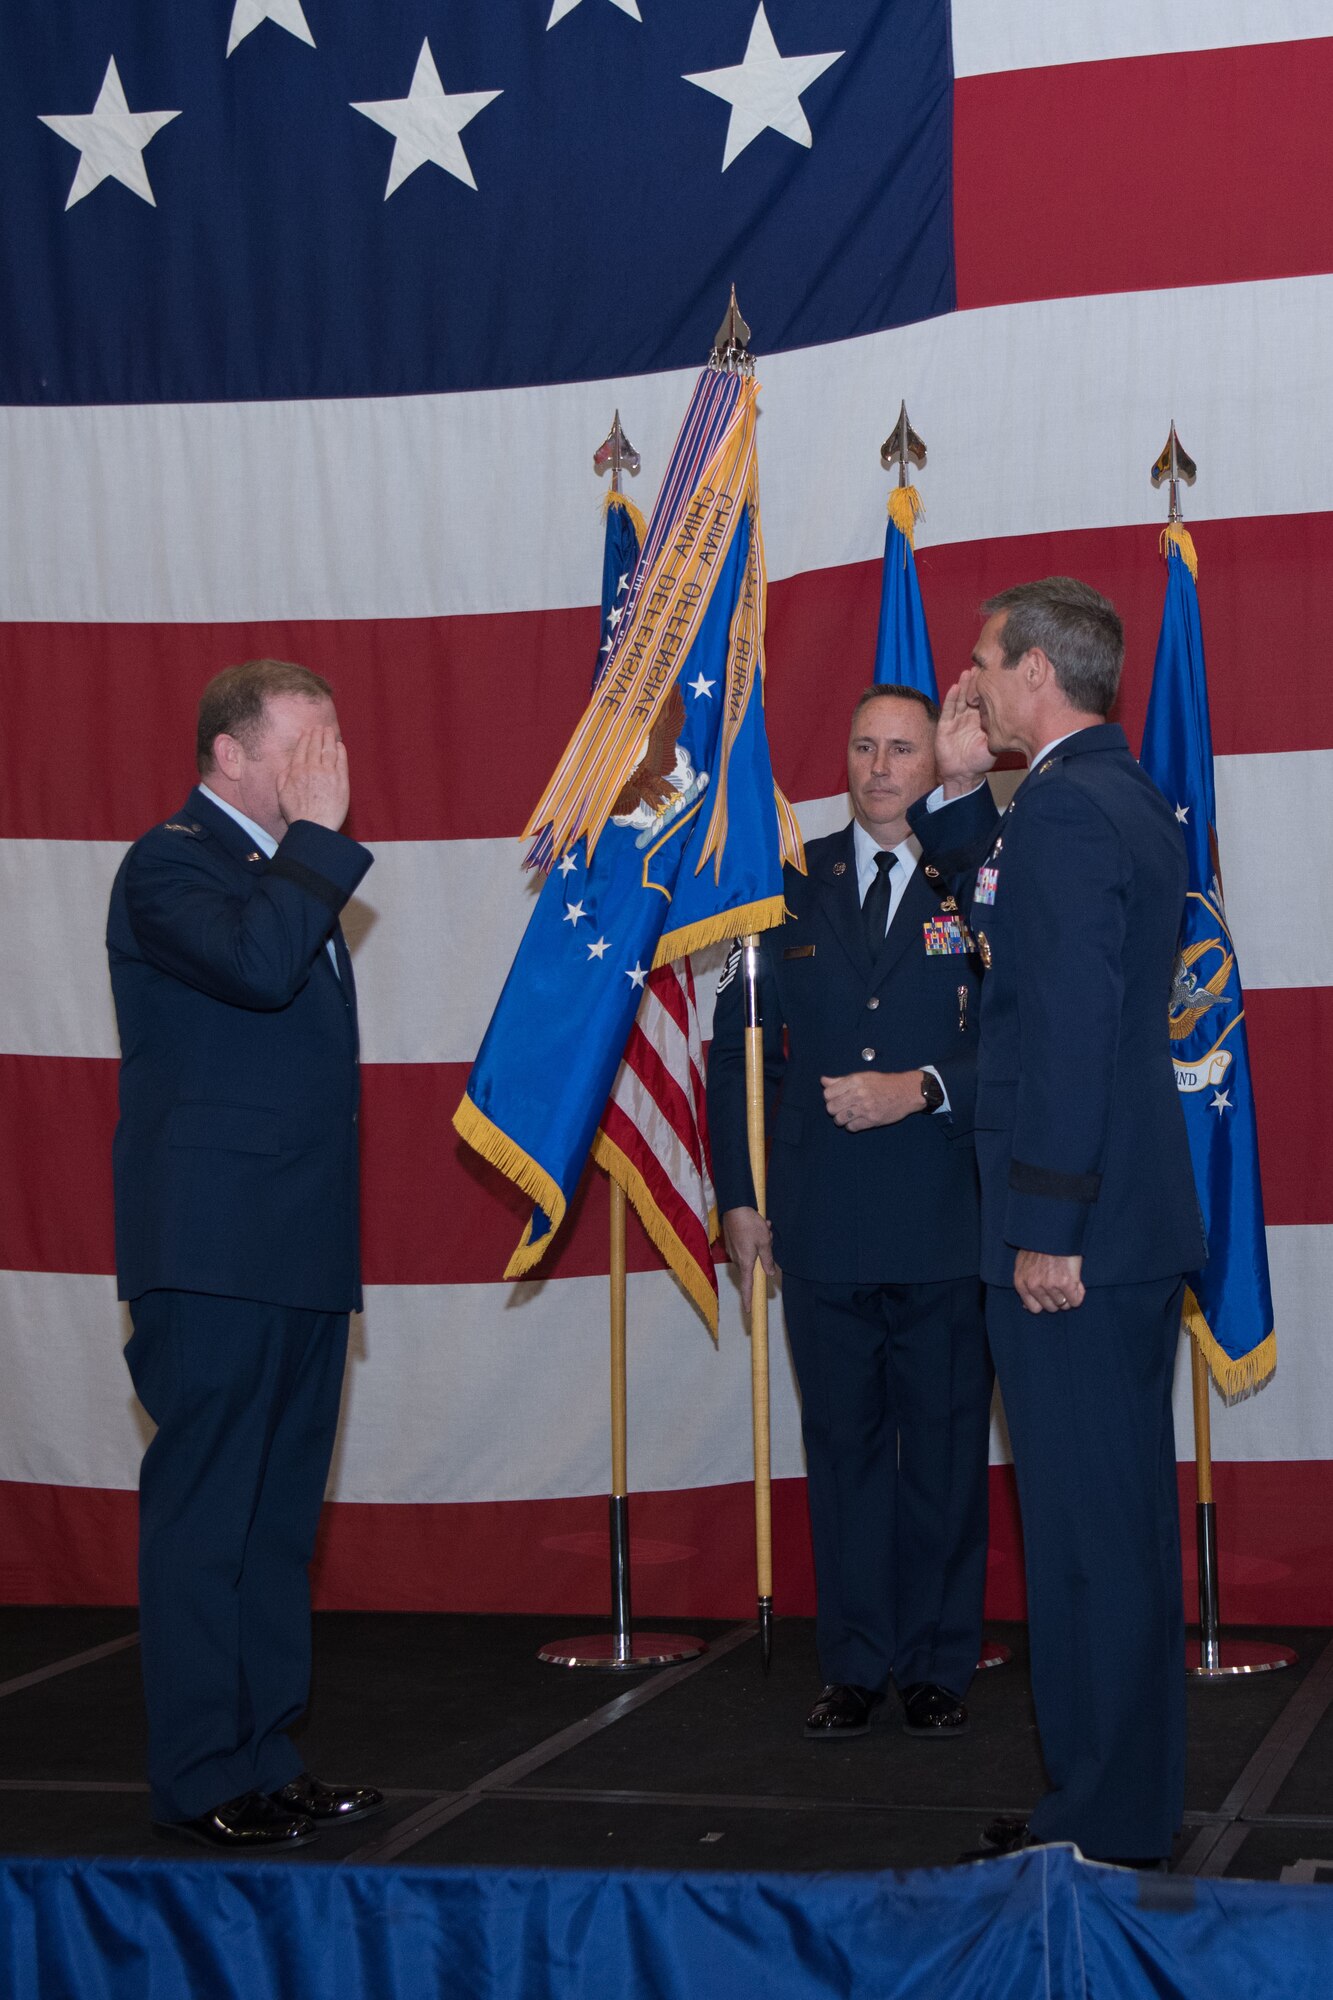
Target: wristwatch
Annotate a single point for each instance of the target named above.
(932, 1090)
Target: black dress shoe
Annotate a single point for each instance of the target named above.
(327, 1804)
(929, 1710)
(1006, 1835)
(251, 1824)
(842, 1710)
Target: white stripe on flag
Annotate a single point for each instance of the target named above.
(437, 925)
(301, 522)
(988, 37)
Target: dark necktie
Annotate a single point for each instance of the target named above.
(875, 909)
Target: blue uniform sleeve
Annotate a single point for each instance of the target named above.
(1065, 888)
(955, 839)
(727, 1130)
(251, 945)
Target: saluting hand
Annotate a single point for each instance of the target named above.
(749, 1241)
(873, 1098)
(1046, 1283)
(315, 785)
(962, 754)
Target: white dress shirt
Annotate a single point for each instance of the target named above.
(906, 856)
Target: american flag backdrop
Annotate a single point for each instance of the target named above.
(311, 315)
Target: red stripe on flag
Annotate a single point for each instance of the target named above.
(435, 1214)
(692, 1551)
(1143, 174)
(417, 696)
(675, 1210)
(665, 1089)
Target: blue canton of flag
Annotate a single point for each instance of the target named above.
(663, 813)
(620, 559)
(327, 199)
(1229, 1306)
(902, 652)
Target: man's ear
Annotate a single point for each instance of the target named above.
(228, 756)
(1037, 669)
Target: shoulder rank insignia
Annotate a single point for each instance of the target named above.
(180, 826)
(1046, 766)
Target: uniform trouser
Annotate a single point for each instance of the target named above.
(245, 1397)
(1087, 1395)
(895, 1413)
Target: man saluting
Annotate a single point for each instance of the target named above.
(236, 1242)
(1088, 1212)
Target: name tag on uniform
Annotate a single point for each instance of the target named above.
(799, 951)
(945, 937)
(988, 881)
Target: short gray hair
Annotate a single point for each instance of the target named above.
(1077, 628)
(895, 691)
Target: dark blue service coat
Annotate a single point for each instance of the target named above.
(1075, 898)
(236, 1151)
(896, 1204)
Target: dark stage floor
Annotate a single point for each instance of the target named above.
(490, 1757)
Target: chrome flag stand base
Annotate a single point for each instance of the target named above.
(620, 1650)
(1222, 1658)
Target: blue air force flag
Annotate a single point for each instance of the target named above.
(902, 651)
(662, 821)
(1229, 1306)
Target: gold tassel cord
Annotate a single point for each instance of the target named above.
(682, 1266)
(640, 526)
(1175, 535)
(496, 1146)
(1235, 1379)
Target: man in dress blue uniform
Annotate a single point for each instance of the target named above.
(870, 1024)
(237, 1242)
(1088, 1211)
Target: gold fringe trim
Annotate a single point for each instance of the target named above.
(636, 518)
(683, 1267)
(905, 503)
(1236, 1379)
(476, 1129)
(1175, 535)
(722, 928)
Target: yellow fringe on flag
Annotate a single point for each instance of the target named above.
(496, 1146)
(1175, 535)
(623, 500)
(905, 503)
(683, 1267)
(727, 924)
(1235, 1379)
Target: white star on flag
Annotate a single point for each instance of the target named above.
(637, 977)
(566, 864)
(600, 949)
(426, 123)
(247, 15)
(1221, 1102)
(701, 686)
(613, 616)
(623, 584)
(764, 90)
(559, 9)
(110, 140)
(573, 913)
(1183, 814)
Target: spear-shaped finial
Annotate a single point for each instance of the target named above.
(1173, 465)
(731, 348)
(900, 445)
(616, 451)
